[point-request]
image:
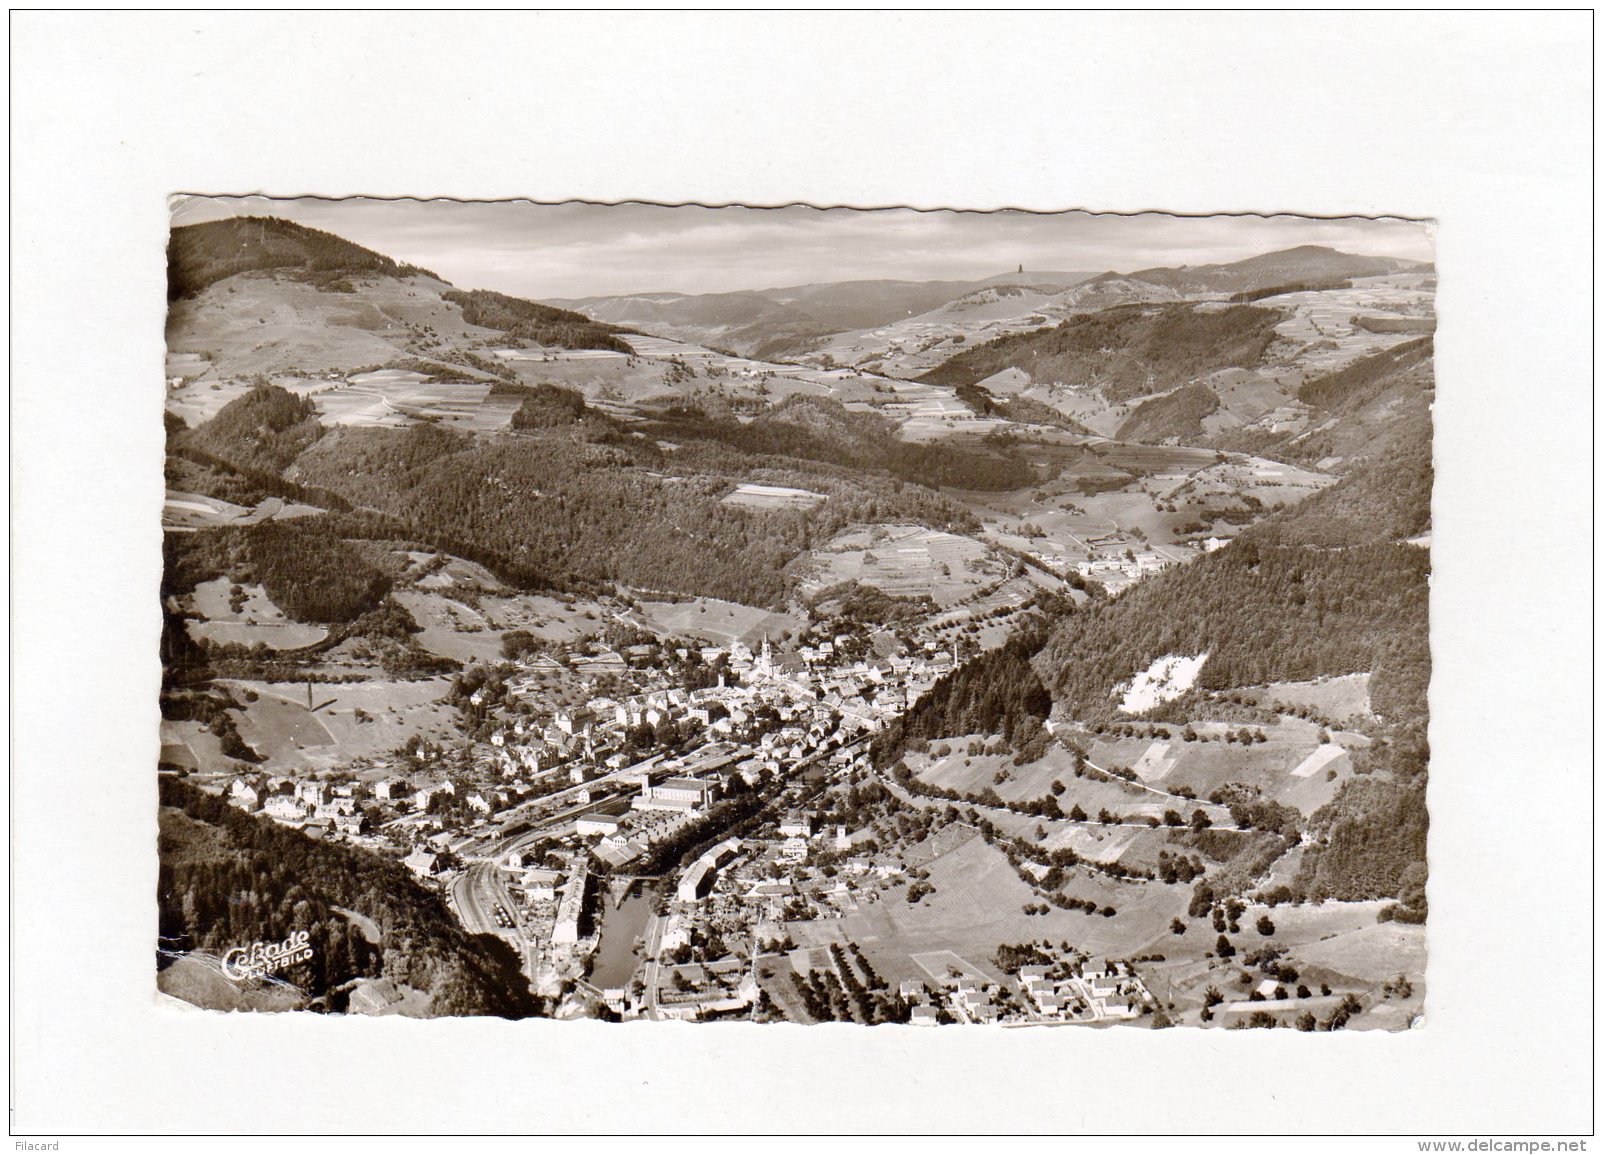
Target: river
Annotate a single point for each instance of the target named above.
(622, 929)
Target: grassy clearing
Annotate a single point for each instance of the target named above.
(1340, 699)
(978, 904)
(192, 746)
(973, 773)
(905, 561)
(201, 983)
(773, 497)
(1343, 937)
(1204, 766)
(257, 620)
(717, 621)
(197, 511)
(279, 725)
(451, 629)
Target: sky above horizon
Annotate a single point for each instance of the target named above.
(578, 250)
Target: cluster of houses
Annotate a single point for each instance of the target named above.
(1092, 998)
(971, 999)
(319, 807)
(804, 690)
(556, 901)
(1098, 996)
(708, 990)
(1135, 566)
(306, 804)
(923, 1012)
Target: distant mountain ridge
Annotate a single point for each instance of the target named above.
(792, 321)
(777, 322)
(1286, 266)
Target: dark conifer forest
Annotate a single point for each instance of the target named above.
(230, 878)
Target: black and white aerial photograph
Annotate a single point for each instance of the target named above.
(789, 615)
(789, 574)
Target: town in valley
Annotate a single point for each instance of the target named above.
(1026, 649)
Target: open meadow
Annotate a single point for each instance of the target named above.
(716, 621)
(1291, 766)
(345, 721)
(978, 903)
(256, 620)
(907, 561)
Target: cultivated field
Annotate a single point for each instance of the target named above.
(978, 904)
(972, 773)
(1322, 323)
(773, 497)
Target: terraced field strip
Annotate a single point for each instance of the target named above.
(1318, 760)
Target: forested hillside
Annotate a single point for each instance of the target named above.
(1370, 842)
(585, 500)
(822, 429)
(264, 429)
(1265, 609)
(542, 324)
(201, 255)
(1178, 414)
(1346, 389)
(308, 570)
(1126, 351)
(997, 693)
(1321, 589)
(230, 879)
